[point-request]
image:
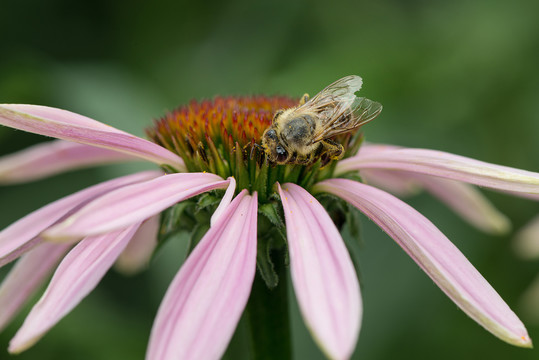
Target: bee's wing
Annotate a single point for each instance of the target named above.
(361, 111)
(339, 109)
(335, 98)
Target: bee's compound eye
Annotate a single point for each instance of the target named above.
(271, 134)
(282, 155)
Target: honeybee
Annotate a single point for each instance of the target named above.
(302, 134)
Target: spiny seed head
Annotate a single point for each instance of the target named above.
(207, 134)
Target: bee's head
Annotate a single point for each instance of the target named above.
(274, 149)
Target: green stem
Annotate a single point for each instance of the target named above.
(267, 313)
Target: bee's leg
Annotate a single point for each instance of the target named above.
(305, 160)
(332, 149)
(311, 158)
(304, 99)
(297, 158)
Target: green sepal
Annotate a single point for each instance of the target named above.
(270, 211)
(173, 220)
(292, 173)
(353, 222)
(169, 169)
(312, 174)
(196, 235)
(261, 182)
(264, 264)
(271, 237)
(241, 175)
(355, 143)
(206, 200)
(275, 173)
(351, 234)
(351, 175)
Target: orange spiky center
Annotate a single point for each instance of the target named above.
(207, 134)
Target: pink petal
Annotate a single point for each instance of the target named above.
(323, 275)
(464, 199)
(77, 275)
(527, 196)
(134, 203)
(438, 163)
(66, 125)
(22, 235)
(391, 181)
(372, 148)
(54, 157)
(205, 301)
(58, 115)
(436, 255)
(26, 277)
(526, 242)
(468, 202)
(225, 202)
(139, 251)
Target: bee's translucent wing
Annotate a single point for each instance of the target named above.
(335, 97)
(360, 112)
(347, 117)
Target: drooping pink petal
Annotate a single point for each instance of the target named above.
(464, 199)
(54, 157)
(57, 115)
(225, 201)
(26, 277)
(134, 203)
(66, 125)
(391, 181)
(22, 235)
(468, 202)
(436, 255)
(138, 252)
(526, 242)
(204, 302)
(78, 274)
(442, 164)
(323, 275)
(527, 196)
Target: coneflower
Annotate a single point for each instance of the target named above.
(244, 214)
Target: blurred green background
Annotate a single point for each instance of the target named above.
(458, 76)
